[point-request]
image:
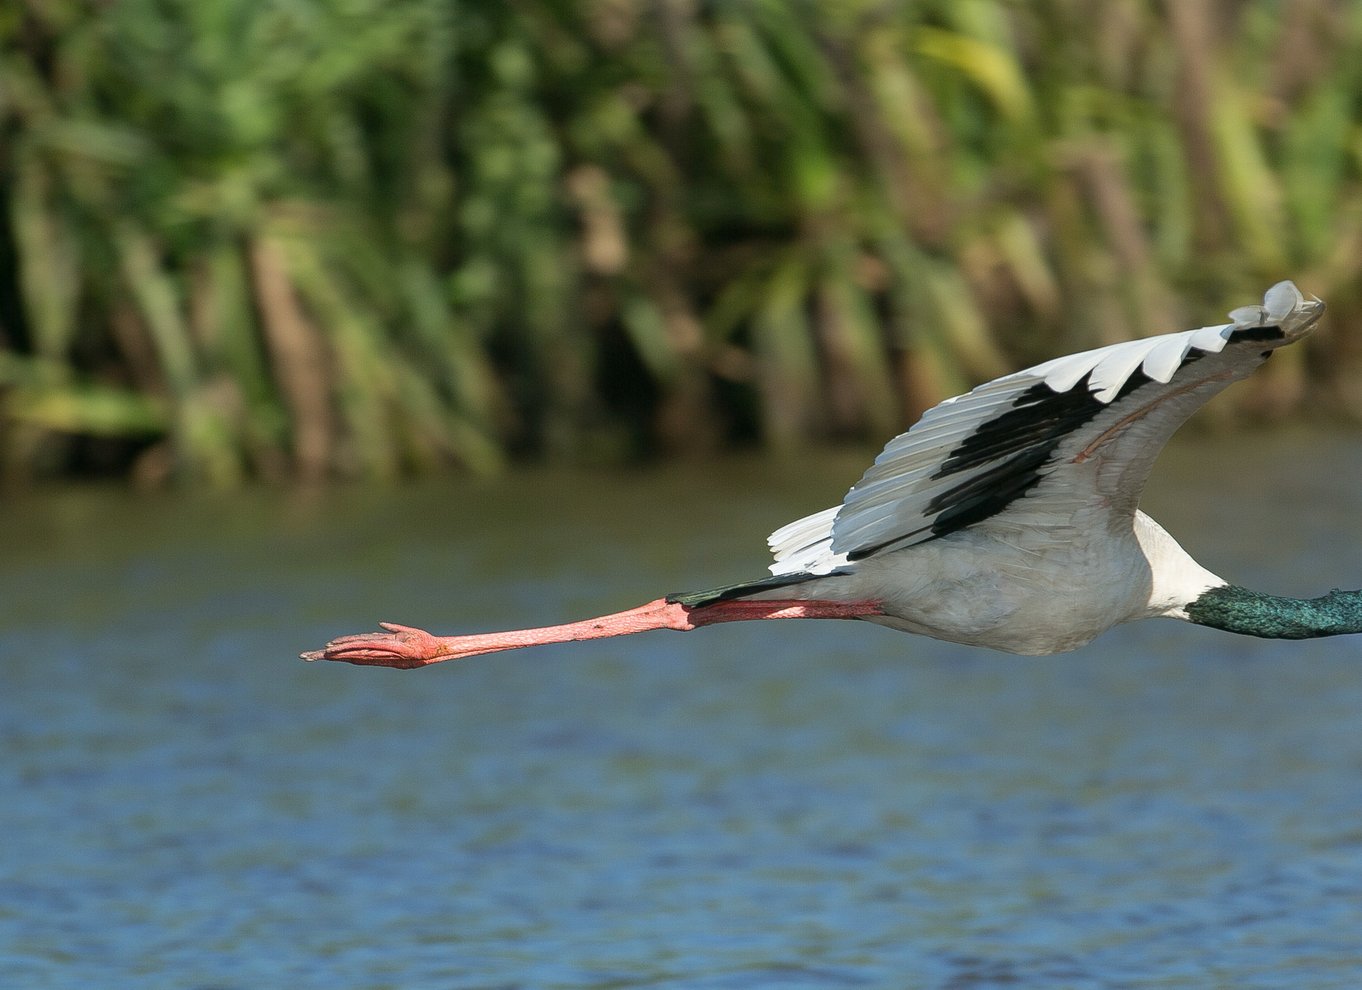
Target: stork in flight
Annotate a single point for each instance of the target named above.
(1005, 518)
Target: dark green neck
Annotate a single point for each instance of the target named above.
(1252, 613)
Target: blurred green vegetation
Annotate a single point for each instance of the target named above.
(307, 238)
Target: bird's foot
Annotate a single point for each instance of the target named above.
(401, 646)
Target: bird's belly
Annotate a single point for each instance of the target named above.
(1018, 600)
(1011, 633)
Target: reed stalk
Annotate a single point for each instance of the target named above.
(374, 237)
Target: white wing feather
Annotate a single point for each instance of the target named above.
(893, 501)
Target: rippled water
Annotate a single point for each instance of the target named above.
(755, 805)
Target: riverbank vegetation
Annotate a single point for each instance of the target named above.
(340, 238)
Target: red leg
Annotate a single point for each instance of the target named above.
(407, 647)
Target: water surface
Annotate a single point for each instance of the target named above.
(754, 805)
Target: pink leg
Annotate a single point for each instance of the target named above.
(406, 647)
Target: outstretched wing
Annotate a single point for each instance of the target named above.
(1087, 426)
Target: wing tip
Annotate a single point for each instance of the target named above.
(1283, 305)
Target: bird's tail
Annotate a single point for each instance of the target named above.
(729, 592)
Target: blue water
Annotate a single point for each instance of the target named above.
(756, 805)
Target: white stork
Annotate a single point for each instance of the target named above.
(1006, 518)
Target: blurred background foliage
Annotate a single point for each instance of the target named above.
(313, 238)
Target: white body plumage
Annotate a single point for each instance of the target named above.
(1028, 589)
